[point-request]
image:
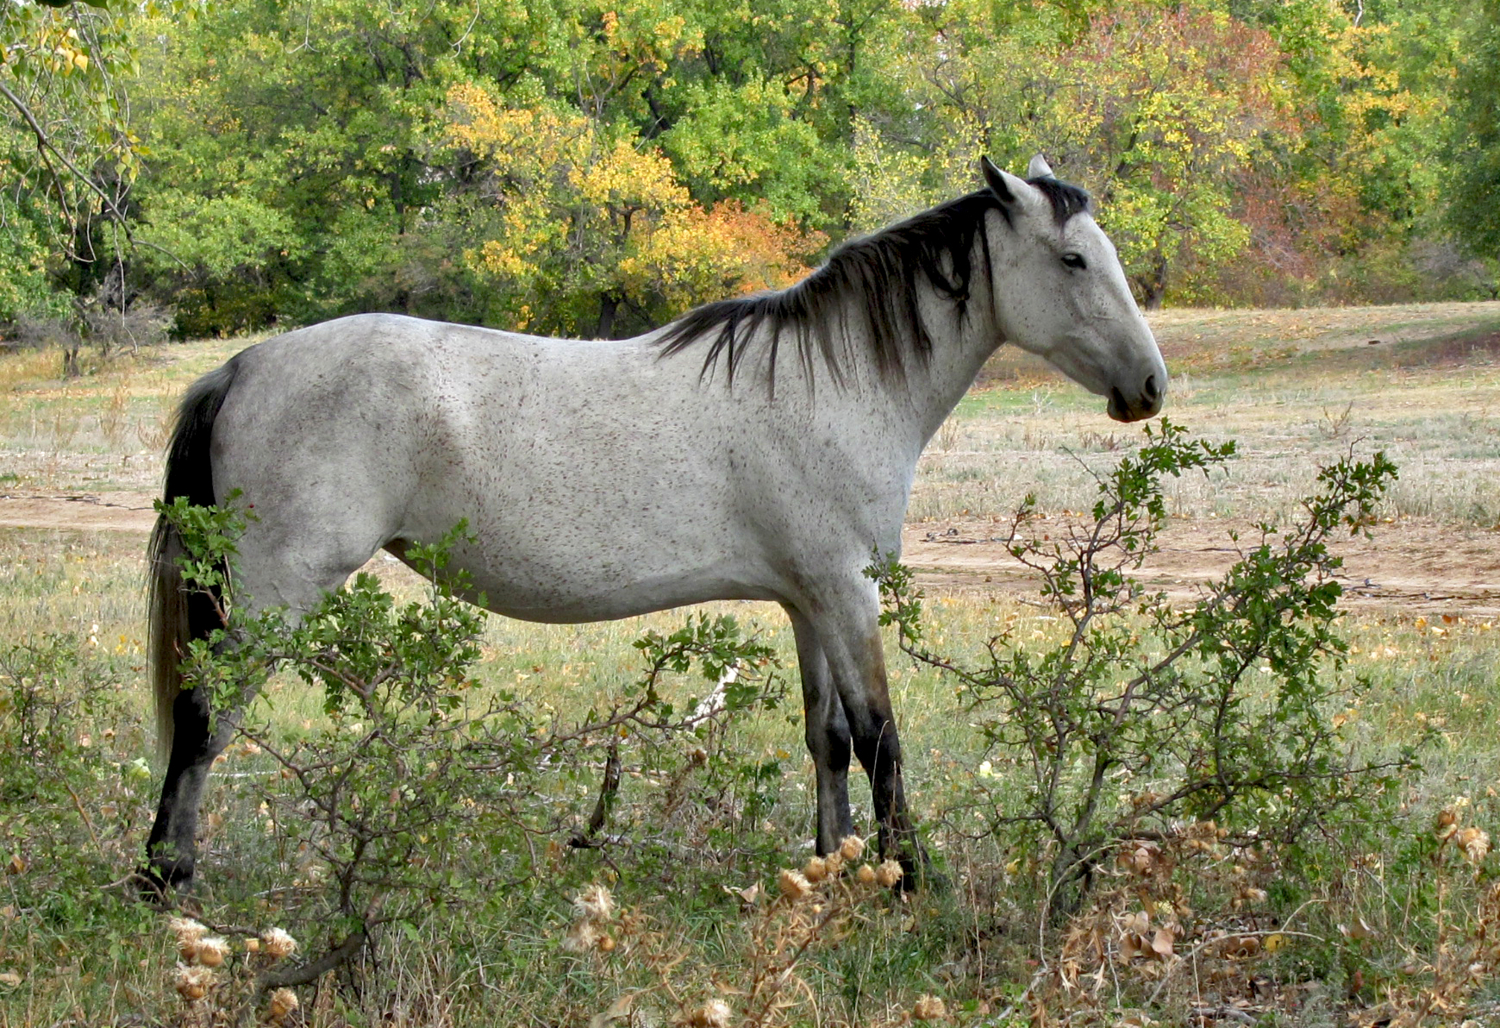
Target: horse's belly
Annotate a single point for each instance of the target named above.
(550, 543)
(603, 593)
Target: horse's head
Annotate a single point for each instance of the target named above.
(1066, 299)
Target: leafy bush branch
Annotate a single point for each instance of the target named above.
(1146, 712)
(424, 786)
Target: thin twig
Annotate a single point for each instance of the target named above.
(86, 822)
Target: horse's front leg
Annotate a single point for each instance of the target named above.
(171, 850)
(827, 735)
(849, 635)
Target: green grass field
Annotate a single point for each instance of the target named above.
(1354, 923)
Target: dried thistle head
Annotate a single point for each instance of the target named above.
(865, 875)
(186, 929)
(188, 933)
(815, 870)
(581, 938)
(277, 943)
(713, 1014)
(594, 904)
(1447, 824)
(888, 874)
(928, 1008)
(1475, 843)
(793, 885)
(192, 983)
(211, 951)
(852, 847)
(283, 1005)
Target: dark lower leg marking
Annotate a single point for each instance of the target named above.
(171, 848)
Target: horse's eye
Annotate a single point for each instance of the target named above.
(1075, 261)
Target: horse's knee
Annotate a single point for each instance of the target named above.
(830, 742)
(876, 743)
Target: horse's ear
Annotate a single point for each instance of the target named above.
(998, 181)
(1039, 168)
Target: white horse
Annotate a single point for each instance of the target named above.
(607, 479)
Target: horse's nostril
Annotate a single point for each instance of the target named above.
(1150, 389)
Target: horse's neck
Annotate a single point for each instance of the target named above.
(901, 409)
(960, 347)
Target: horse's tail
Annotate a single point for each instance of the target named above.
(176, 615)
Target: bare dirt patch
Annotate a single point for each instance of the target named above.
(1409, 567)
(85, 512)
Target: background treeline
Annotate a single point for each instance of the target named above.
(595, 167)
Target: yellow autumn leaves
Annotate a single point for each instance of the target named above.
(52, 43)
(574, 206)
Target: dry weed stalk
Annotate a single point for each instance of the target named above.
(1466, 953)
(1466, 958)
(112, 413)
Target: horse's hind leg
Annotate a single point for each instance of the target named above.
(827, 733)
(279, 577)
(172, 847)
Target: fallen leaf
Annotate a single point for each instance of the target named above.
(1161, 943)
(747, 897)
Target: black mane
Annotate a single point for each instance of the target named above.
(884, 269)
(1066, 199)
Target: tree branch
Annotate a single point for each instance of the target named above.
(313, 970)
(44, 144)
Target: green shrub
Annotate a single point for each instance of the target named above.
(423, 788)
(1146, 714)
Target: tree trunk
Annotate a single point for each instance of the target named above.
(1154, 285)
(608, 304)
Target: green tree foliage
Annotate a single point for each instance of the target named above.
(594, 168)
(1155, 108)
(311, 188)
(1159, 109)
(1476, 135)
(67, 154)
(579, 229)
(1242, 151)
(358, 158)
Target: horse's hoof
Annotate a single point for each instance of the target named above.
(162, 877)
(150, 887)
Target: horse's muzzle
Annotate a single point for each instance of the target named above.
(1147, 405)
